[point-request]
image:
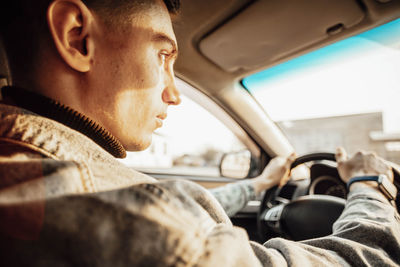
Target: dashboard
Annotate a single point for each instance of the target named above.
(328, 185)
(325, 180)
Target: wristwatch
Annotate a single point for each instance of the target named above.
(384, 184)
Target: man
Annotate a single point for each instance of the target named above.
(104, 82)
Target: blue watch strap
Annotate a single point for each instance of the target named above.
(374, 178)
(385, 186)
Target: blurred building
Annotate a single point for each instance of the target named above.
(353, 132)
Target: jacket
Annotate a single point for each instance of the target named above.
(64, 201)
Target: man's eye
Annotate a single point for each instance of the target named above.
(164, 56)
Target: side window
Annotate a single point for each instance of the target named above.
(191, 142)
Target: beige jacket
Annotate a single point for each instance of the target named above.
(64, 201)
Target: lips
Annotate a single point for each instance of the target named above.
(160, 118)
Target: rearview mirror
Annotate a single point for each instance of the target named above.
(236, 164)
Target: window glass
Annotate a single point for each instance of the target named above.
(191, 142)
(346, 94)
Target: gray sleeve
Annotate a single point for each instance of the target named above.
(234, 196)
(366, 234)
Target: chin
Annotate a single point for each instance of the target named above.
(137, 145)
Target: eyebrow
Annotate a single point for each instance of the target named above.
(160, 37)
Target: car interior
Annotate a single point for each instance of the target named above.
(222, 42)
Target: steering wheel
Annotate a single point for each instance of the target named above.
(306, 216)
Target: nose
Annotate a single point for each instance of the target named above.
(171, 95)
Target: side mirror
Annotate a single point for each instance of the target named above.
(236, 165)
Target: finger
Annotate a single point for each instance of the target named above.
(291, 158)
(341, 154)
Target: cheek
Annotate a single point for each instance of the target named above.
(130, 82)
(128, 67)
(137, 109)
(141, 96)
(148, 74)
(126, 85)
(137, 68)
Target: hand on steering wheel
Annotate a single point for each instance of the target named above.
(307, 216)
(361, 164)
(276, 172)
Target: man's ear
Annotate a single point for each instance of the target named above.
(70, 23)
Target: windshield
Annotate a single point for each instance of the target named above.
(346, 94)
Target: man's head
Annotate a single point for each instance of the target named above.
(111, 60)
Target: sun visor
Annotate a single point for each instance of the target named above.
(267, 30)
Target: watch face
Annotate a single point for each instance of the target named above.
(387, 187)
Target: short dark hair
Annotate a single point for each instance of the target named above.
(32, 11)
(119, 12)
(23, 22)
(125, 6)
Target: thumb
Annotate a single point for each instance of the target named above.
(286, 176)
(341, 154)
(290, 159)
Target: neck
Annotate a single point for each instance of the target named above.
(53, 79)
(54, 110)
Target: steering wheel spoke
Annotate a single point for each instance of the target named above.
(272, 217)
